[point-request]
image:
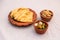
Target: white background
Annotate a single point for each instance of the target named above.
(9, 32)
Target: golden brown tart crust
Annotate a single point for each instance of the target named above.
(14, 22)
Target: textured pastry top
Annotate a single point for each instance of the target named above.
(22, 15)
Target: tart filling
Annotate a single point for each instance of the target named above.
(40, 25)
(22, 15)
(46, 13)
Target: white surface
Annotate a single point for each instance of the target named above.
(9, 32)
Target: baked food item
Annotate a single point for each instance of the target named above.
(46, 15)
(40, 26)
(22, 16)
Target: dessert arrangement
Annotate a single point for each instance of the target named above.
(26, 16)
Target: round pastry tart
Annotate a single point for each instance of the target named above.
(22, 16)
(40, 26)
(46, 15)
